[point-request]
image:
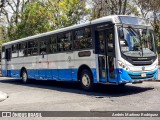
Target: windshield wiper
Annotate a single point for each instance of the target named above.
(136, 33)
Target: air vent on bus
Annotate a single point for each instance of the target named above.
(142, 61)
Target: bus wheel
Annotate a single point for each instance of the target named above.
(87, 80)
(24, 76)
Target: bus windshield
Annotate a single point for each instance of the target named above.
(137, 42)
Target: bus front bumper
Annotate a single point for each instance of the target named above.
(133, 77)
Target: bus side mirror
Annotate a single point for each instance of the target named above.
(121, 34)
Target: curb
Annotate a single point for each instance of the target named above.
(3, 96)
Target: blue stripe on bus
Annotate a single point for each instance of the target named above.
(49, 74)
(66, 75)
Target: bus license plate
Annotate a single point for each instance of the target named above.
(143, 74)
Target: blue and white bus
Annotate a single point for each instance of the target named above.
(114, 49)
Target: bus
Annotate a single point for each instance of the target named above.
(116, 49)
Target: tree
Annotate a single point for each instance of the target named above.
(112, 7)
(34, 20)
(67, 12)
(10, 11)
(42, 16)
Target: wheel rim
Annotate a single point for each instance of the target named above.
(86, 80)
(24, 76)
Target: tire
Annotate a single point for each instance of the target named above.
(86, 80)
(24, 76)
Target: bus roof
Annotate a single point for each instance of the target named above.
(112, 18)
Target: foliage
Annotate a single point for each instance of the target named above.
(40, 16)
(34, 20)
(67, 12)
(112, 7)
(29, 17)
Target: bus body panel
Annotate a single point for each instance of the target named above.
(65, 65)
(61, 66)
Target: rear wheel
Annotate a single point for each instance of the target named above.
(87, 80)
(24, 76)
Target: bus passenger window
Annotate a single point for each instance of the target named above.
(65, 42)
(43, 47)
(82, 38)
(22, 49)
(3, 53)
(8, 54)
(68, 42)
(33, 47)
(53, 44)
(60, 42)
(14, 50)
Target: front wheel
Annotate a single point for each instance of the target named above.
(87, 80)
(24, 76)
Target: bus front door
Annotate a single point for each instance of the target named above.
(106, 57)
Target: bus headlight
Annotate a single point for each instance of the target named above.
(123, 65)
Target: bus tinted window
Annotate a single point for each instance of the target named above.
(3, 52)
(3, 49)
(22, 49)
(53, 44)
(33, 51)
(65, 41)
(33, 47)
(32, 44)
(15, 50)
(83, 39)
(43, 47)
(22, 45)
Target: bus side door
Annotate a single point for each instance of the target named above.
(106, 57)
(110, 53)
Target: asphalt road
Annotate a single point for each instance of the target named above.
(67, 96)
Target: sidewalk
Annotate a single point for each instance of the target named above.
(3, 96)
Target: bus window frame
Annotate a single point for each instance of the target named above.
(77, 29)
(23, 48)
(16, 51)
(36, 39)
(48, 45)
(65, 32)
(42, 39)
(95, 29)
